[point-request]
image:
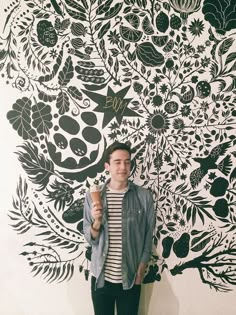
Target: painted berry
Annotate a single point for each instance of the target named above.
(162, 22)
(47, 35)
(175, 22)
(203, 89)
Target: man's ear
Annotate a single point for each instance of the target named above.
(106, 165)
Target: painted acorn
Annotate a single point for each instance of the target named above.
(181, 246)
(162, 22)
(175, 22)
(47, 36)
(148, 55)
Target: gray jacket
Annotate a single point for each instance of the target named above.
(138, 221)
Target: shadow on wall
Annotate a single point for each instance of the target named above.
(79, 297)
(156, 295)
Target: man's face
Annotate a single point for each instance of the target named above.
(119, 166)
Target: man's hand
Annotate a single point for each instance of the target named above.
(97, 212)
(140, 273)
(97, 216)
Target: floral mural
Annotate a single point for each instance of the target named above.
(159, 75)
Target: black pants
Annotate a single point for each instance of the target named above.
(104, 299)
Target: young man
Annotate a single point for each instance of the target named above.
(120, 233)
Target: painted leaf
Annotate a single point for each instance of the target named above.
(56, 7)
(231, 57)
(104, 7)
(112, 12)
(75, 5)
(225, 46)
(67, 72)
(199, 243)
(63, 103)
(46, 97)
(20, 118)
(220, 14)
(42, 117)
(76, 15)
(38, 168)
(74, 92)
(104, 29)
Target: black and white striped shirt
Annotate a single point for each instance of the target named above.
(113, 263)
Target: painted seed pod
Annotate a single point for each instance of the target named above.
(89, 72)
(93, 79)
(78, 29)
(86, 64)
(47, 35)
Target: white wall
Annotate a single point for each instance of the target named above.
(23, 294)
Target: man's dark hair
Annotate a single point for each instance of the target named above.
(116, 146)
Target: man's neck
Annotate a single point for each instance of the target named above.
(118, 185)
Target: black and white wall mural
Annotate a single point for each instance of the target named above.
(160, 75)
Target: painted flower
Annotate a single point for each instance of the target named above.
(182, 222)
(205, 62)
(194, 79)
(158, 162)
(158, 122)
(156, 79)
(175, 217)
(113, 37)
(150, 139)
(185, 7)
(196, 27)
(185, 111)
(163, 88)
(188, 49)
(201, 49)
(212, 175)
(114, 126)
(53, 53)
(204, 106)
(102, 178)
(167, 158)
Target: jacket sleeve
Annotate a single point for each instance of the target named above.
(88, 220)
(150, 224)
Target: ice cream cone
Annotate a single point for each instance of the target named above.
(96, 195)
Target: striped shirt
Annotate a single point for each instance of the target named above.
(113, 263)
